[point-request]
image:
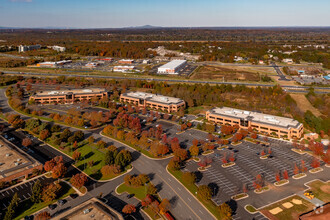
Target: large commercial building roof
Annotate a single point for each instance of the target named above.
(70, 91)
(154, 97)
(173, 64)
(256, 117)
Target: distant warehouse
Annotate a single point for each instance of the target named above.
(172, 67)
(153, 101)
(263, 123)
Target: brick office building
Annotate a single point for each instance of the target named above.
(263, 123)
(153, 101)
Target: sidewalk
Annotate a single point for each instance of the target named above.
(315, 200)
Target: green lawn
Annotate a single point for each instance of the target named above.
(293, 212)
(28, 208)
(193, 189)
(318, 192)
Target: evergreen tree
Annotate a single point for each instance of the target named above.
(36, 192)
(11, 208)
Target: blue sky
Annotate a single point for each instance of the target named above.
(188, 13)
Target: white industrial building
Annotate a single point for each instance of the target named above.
(172, 67)
(22, 48)
(58, 48)
(123, 68)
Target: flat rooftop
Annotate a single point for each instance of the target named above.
(11, 160)
(96, 210)
(70, 91)
(173, 64)
(256, 117)
(153, 97)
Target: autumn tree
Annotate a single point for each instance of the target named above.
(49, 165)
(151, 189)
(108, 170)
(204, 192)
(278, 176)
(174, 164)
(285, 174)
(165, 205)
(296, 169)
(194, 150)
(26, 142)
(259, 182)
(129, 209)
(42, 216)
(76, 155)
(225, 211)
(59, 170)
(50, 192)
(180, 153)
(44, 134)
(195, 142)
(189, 178)
(78, 180)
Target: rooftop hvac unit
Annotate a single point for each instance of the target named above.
(1, 145)
(7, 155)
(19, 159)
(16, 163)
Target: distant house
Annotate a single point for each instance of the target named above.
(327, 77)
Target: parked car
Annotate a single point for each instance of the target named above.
(52, 206)
(61, 202)
(73, 195)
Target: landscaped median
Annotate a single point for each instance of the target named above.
(299, 176)
(281, 182)
(192, 188)
(316, 170)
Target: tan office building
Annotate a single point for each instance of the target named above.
(68, 95)
(263, 123)
(153, 101)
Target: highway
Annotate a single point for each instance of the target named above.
(162, 80)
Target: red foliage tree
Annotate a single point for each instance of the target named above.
(326, 157)
(49, 165)
(59, 171)
(26, 142)
(76, 155)
(42, 216)
(232, 158)
(285, 174)
(128, 209)
(262, 153)
(195, 142)
(315, 163)
(78, 180)
(254, 136)
(278, 176)
(296, 169)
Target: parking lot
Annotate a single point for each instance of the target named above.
(23, 191)
(229, 181)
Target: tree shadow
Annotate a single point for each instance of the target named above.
(90, 154)
(214, 187)
(151, 176)
(233, 205)
(159, 186)
(173, 200)
(199, 176)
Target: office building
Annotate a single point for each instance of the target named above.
(172, 67)
(53, 64)
(263, 123)
(68, 95)
(125, 61)
(123, 68)
(153, 101)
(22, 48)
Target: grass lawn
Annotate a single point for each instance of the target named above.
(321, 190)
(28, 208)
(250, 208)
(88, 153)
(140, 193)
(193, 189)
(293, 212)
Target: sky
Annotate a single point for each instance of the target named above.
(166, 13)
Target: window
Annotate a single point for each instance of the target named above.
(274, 130)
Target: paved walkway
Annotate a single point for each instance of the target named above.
(315, 200)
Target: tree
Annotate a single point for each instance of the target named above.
(44, 134)
(101, 144)
(78, 180)
(165, 205)
(278, 176)
(129, 209)
(49, 165)
(36, 192)
(109, 157)
(42, 216)
(259, 182)
(204, 192)
(91, 140)
(59, 171)
(123, 158)
(174, 164)
(108, 170)
(152, 190)
(326, 157)
(76, 155)
(254, 136)
(225, 211)
(180, 153)
(50, 192)
(194, 150)
(296, 169)
(188, 177)
(26, 142)
(303, 166)
(195, 142)
(11, 208)
(285, 174)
